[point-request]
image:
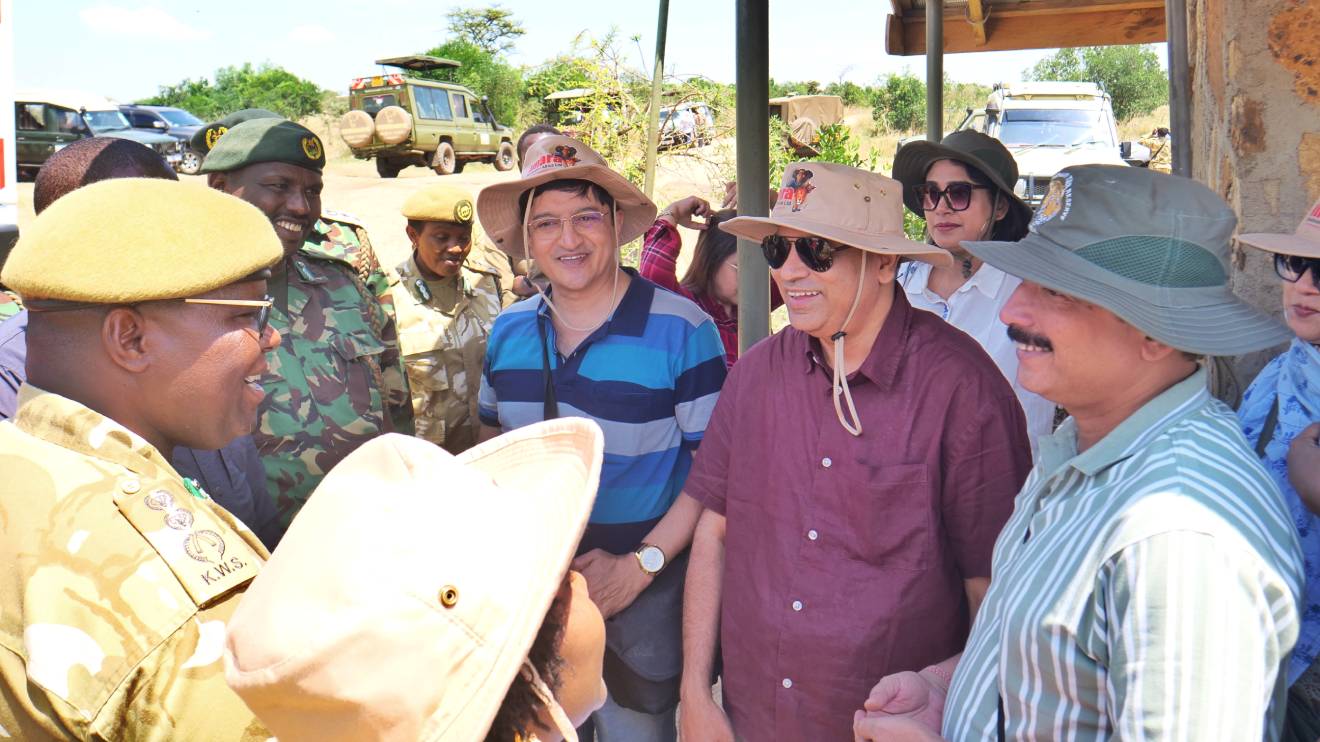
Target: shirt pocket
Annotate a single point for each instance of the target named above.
(890, 519)
(361, 381)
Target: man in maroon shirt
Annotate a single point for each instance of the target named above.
(855, 474)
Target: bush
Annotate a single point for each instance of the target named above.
(235, 88)
(900, 103)
(487, 75)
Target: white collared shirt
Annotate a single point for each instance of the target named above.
(974, 309)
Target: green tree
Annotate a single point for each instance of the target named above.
(1130, 74)
(900, 102)
(486, 74)
(492, 29)
(267, 86)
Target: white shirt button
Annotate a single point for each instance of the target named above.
(797, 605)
(788, 683)
(826, 462)
(131, 486)
(812, 534)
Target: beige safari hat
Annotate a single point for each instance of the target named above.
(406, 595)
(843, 204)
(1304, 241)
(559, 158)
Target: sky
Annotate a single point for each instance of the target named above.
(127, 49)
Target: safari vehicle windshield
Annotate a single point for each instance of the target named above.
(373, 103)
(105, 121)
(180, 118)
(1054, 127)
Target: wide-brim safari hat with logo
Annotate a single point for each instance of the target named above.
(843, 204)
(981, 151)
(406, 595)
(555, 158)
(1303, 242)
(1151, 248)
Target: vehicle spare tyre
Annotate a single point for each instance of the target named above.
(356, 128)
(393, 125)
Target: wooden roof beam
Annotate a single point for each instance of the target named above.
(1044, 25)
(976, 16)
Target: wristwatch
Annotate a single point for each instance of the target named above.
(650, 558)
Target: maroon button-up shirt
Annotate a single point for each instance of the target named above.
(845, 557)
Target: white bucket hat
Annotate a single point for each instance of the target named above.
(406, 595)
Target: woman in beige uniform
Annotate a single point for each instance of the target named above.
(446, 296)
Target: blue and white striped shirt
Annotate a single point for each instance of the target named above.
(649, 376)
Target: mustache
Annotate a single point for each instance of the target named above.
(1019, 335)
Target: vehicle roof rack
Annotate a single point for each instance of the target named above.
(418, 63)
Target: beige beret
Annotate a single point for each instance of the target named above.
(140, 239)
(440, 203)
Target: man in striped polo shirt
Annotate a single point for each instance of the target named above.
(1147, 583)
(646, 364)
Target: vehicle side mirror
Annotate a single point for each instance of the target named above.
(158, 124)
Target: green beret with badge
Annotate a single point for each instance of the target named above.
(440, 203)
(140, 239)
(266, 140)
(204, 139)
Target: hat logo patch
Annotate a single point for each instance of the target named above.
(311, 147)
(213, 135)
(562, 156)
(796, 187)
(1057, 201)
(463, 211)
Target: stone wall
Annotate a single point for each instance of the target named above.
(1255, 95)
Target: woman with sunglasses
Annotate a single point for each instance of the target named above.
(962, 188)
(1280, 404)
(711, 280)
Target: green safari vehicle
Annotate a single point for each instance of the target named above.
(400, 121)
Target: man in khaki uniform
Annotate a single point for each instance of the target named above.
(446, 297)
(119, 575)
(1161, 150)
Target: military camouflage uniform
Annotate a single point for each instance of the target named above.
(443, 326)
(335, 381)
(1161, 153)
(338, 235)
(10, 304)
(116, 586)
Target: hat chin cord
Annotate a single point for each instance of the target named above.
(614, 290)
(557, 715)
(842, 393)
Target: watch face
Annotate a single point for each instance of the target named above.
(652, 558)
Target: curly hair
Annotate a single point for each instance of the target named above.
(521, 709)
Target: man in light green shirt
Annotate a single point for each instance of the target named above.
(1147, 583)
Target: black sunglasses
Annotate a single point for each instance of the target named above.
(817, 253)
(1291, 268)
(957, 195)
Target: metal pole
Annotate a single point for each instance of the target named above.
(1180, 101)
(934, 70)
(753, 93)
(657, 78)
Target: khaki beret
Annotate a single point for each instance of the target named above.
(440, 203)
(140, 239)
(266, 140)
(205, 138)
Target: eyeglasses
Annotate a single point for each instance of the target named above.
(260, 325)
(1291, 268)
(263, 316)
(547, 228)
(817, 253)
(957, 195)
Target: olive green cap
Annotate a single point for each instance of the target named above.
(204, 139)
(266, 140)
(131, 240)
(440, 203)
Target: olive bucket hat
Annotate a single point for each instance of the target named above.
(1152, 248)
(985, 153)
